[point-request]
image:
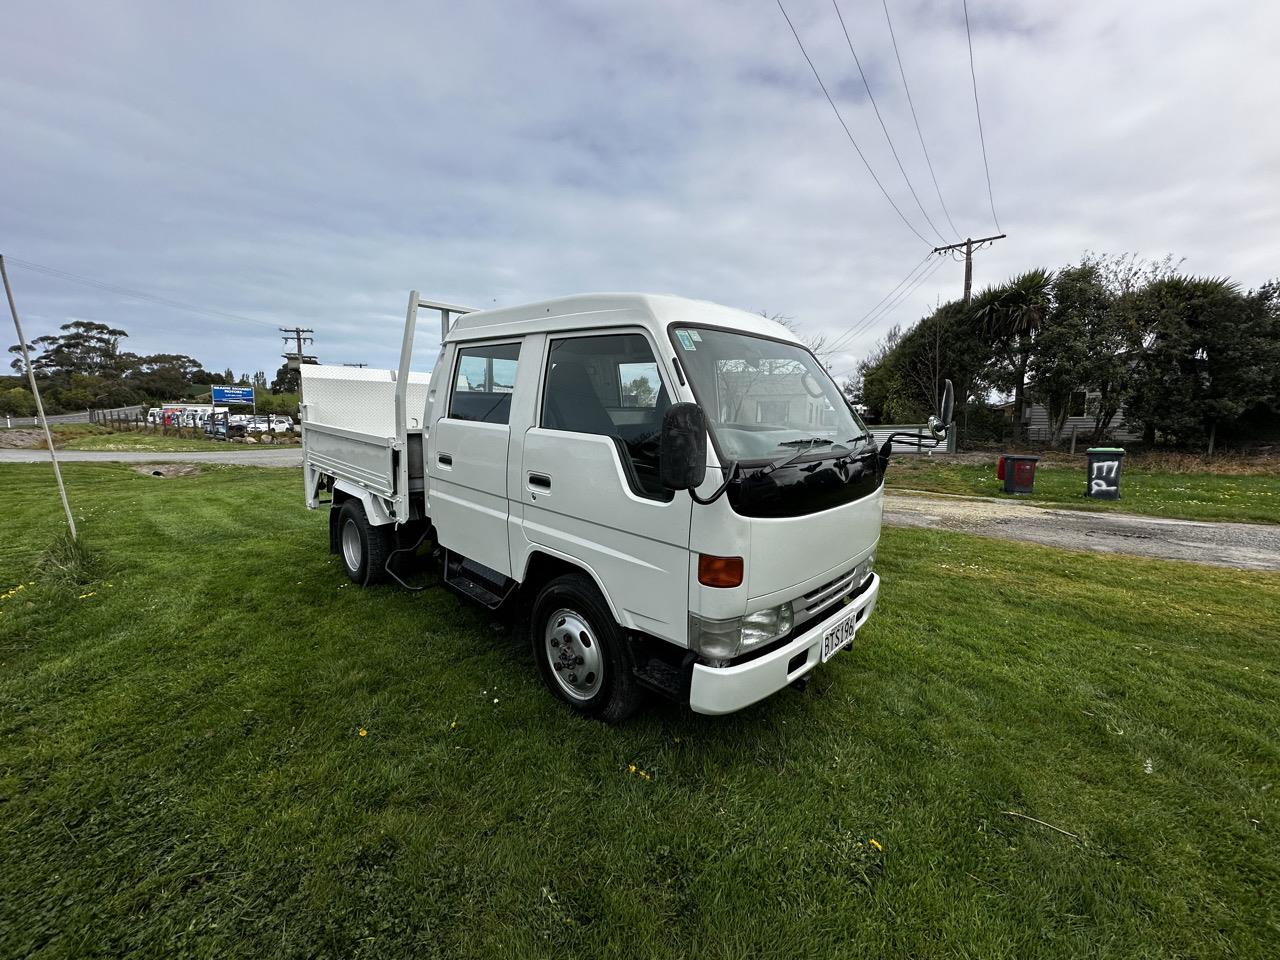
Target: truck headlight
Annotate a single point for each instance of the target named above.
(725, 639)
(765, 625)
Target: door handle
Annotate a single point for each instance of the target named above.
(540, 482)
(444, 459)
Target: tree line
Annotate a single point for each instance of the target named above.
(84, 367)
(1181, 359)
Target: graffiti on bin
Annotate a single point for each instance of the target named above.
(1104, 478)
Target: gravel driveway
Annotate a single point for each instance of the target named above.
(1251, 546)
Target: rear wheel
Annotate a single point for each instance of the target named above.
(580, 651)
(363, 547)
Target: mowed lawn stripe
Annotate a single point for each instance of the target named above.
(183, 769)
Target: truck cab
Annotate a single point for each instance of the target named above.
(671, 494)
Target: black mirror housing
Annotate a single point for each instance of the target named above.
(682, 447)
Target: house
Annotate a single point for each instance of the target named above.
(1080, 420)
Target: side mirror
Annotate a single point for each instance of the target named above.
(939, 425)
(682, 447)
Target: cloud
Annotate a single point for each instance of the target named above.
(308, 165)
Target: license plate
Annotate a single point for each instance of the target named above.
(838, 636)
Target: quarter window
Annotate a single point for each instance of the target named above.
(482, 386)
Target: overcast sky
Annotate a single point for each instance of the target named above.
(309, 166)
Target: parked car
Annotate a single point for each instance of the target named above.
(222, 430)
(273, 423)
(676, 495)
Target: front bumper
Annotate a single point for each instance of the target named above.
(717, 690)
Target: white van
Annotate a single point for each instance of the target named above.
(675, 495)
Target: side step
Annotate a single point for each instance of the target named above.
(662, 674)
(475, 581)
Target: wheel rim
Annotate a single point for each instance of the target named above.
(574, 654)
(351, 548)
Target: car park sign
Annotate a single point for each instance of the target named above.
(233, 395)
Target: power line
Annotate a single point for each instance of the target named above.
(208, 314)
(876, 108)
(842, 340)
(978, 110)
(925, 150)
(870, 321)
(900, 298)
(847, 132)
(859, 325)
(874, 316)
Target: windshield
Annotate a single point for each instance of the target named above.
(765, 399)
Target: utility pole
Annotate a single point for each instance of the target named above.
(297, 358)
(969, 246)
(297, 334)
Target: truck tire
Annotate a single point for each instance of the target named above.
(580, 651)
(362, 547)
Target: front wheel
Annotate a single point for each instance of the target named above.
(580, 651)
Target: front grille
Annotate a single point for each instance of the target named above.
(818, 599)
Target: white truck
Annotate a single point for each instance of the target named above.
(674, 495)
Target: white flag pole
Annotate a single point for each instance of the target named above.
(35, 390)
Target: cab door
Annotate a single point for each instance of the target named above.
(589, 479)
(467, 460)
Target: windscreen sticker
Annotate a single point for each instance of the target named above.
(686, 341)
(696, 335)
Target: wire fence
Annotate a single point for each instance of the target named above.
(79, 416)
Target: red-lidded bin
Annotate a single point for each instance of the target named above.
(1000, 468)
(1019, 473)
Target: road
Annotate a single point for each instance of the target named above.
(1250, 546)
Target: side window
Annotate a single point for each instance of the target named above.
(610, 386)
(482, 386)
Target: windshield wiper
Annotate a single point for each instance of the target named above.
(811, 441)
(781, 462)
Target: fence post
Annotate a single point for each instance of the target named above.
(1073, 438)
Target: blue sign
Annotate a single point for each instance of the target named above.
(233, 395)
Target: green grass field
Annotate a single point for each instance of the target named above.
(1192, 496)
(158, 443)
(221, 749)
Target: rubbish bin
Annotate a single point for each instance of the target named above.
(1019, 473)
(1102, 481)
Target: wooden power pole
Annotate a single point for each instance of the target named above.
(969, 245)
(295, 359)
